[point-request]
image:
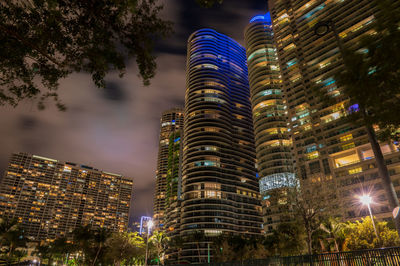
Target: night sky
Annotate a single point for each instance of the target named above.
(116, 129)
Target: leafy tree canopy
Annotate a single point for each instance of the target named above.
(43, 41)
(208, 3)
(371, 77)
(11, 239)
(360, 235)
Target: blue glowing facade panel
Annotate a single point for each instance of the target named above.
(264, 18)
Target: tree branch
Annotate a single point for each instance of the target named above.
(27, 43)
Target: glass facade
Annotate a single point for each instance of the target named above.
(173, 198)
(171, 123)
(220, 189)
(275, 164)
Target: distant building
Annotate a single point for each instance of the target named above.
(219, 184)
(143, 224)
(171, 121)
(51, 198)
(135, 227)
(273, 142)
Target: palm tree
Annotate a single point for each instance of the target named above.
(177, 245)
(197, 237)
(100, 237)
(12, 237)
(160, 240)
(82, 236)
(60, 249)
(128, 247)
(335, 229)
(44, 252)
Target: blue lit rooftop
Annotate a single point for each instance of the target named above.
(266, 18)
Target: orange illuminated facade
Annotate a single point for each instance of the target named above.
(51, 198)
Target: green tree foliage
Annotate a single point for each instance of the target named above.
(43, 41)
(125, 249)
(12, 240)
(45, 253)
(229, 247)
(159, 241)
(311, 204)
(93, 247)
(82, 239)
(288, 239)
(56, 251)
(334, 236)
(100, 237)
(361, 235)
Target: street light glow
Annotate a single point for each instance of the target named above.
(366, 199)
(150, 224)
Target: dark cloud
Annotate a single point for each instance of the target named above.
(116, 129)
(114, 92)
(27, 122)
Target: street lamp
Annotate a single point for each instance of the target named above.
(367, 200)
(323, 27)
(149, 226)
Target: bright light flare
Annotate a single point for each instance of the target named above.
(365, 199)
(150, 224)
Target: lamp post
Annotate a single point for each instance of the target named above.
(323, 27)
(149, 226)
(367, 200)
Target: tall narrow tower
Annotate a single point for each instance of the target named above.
(272, 139)
(220, 189)
(171, 122)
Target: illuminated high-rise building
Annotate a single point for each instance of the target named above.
(328, 148)
(272, 139)
(51, 198)
(219, 184)
(174, 184)
(171, 122)
(173, 197)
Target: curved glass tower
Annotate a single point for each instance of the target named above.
(220, 188)
(272, 139)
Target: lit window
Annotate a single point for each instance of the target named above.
(355, 170)
(206, 66)
(312, 155)
(346, 137)
(348, 146)
(257, 52)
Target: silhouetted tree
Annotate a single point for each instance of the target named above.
(371, 82)
(11, 238)
(43, 41)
